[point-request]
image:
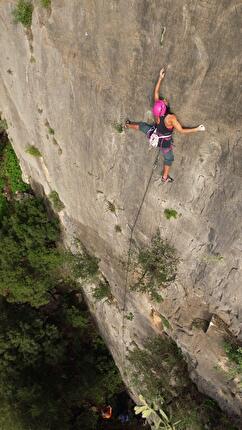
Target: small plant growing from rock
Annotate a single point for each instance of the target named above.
(129, 316)
(118, 229)
(165, 322)
(170, 213)
(45, 3)
(155, 267)
(212, 258)
(3, 125)
(23, 12)
(118, 126)
(160, 421)
(111, 206)
(234, 355)
(51, 130)
(102, 291)
(32, 150)
(56, 201)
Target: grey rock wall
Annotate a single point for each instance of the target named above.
(86, 64)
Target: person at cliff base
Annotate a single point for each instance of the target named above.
(106, 412)
(160, 132)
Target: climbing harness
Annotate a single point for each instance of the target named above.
(126, 284)
(157, 139)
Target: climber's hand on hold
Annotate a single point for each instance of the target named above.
(162, 73)
(201, 127)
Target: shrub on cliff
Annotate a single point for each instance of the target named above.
(58, 205)
(102, 291)
(3, 125)
(154, 267)
(32, 150)
(10, 170)
(159, 373)
(234, 354)
(23, 12)
(45, 3)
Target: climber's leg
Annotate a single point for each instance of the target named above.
(168, 160)
(142, 126)
(165, 172)
(133, 125)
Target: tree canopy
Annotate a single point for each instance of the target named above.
(54, 367)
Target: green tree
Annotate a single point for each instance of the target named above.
(53, 365)
(48, 369)
(28, 258)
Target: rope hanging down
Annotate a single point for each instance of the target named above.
(126, 284)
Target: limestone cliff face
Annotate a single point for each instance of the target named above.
(86, 64)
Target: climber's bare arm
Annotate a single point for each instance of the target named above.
(173, 121)
(157, 87)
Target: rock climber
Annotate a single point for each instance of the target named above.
(160, 133)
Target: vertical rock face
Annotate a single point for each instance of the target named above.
(86, 65)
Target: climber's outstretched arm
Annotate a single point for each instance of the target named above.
(178, 127)
(157, 87)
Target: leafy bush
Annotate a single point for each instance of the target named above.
(159, 373)
(32, 150)
(102, 291)
(3, 125)
(152, 368)
(156, 266)
(3, 206)
(158, 418)
(23, 12)
(11, 172)
(85, 266)
(234, 354)
(76, 318)
(45, 3)
(118, 127)
(170, 213)
(56, 201)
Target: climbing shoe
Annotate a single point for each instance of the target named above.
(127, 122)
(168, 179)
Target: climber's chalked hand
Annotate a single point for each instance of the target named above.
(162, 73)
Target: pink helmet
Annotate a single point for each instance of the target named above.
(159, 108)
